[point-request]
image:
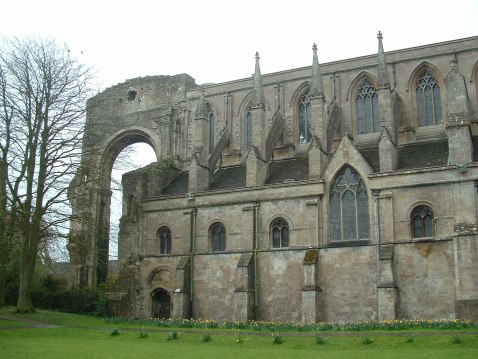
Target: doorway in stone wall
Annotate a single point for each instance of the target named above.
(161, 304)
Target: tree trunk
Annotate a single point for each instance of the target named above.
(27, 268)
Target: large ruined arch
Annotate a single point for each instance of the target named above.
(93, 237)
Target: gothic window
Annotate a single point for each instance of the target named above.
(212, 128)
(422, 222)
(349, 218)
(280, 233)
(428, 101)
(305, 120)
(218, 237)
(164, 240)
(248, 130)
(368, 109)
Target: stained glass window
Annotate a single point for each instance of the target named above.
(428, 101)
(368, 109)
(349, 217)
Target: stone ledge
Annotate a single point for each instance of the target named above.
(354, 243)
(390, 285)
(311, 288)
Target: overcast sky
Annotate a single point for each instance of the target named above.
(215, 40)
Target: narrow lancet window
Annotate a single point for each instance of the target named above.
(218, 237)
(212, 129)
(305, 119)
(164, 240)
(248, 130)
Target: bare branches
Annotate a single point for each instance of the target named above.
(43, 102)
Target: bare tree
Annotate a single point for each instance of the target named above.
(44, 101)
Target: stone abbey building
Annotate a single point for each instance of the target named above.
(338, 191)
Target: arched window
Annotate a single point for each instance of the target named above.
(422, 222)
(218, 237)
(280, 233)
(164, 240)
(305, 120)
(428, 100)
(248, 130)
(349, 218)
(368, 109)
(212, 128)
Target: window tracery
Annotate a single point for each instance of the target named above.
(368, 109)
(280, 233)
(305, 120)
(428, 100)
(422, 222)
(349, 216)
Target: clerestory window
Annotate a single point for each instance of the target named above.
(368, 109)
(305, 120)
(428, 101)
(248, 130)
(349, 216)
(212, 128)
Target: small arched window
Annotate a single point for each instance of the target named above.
(428, 100)
(368, 109)
(218, 237)
(349, 218)
(212, 128)
(280, 233)
(164, 240)
(305, 120)
(422, 222)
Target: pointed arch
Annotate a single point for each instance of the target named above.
(365, 106)
(427, 88)
(302, 113)
(346, 155)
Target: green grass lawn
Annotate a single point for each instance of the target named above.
(96, 341)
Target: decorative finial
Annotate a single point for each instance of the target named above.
(316, 86)
(383, 80)
(257, 91)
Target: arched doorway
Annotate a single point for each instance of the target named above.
(160, 304)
